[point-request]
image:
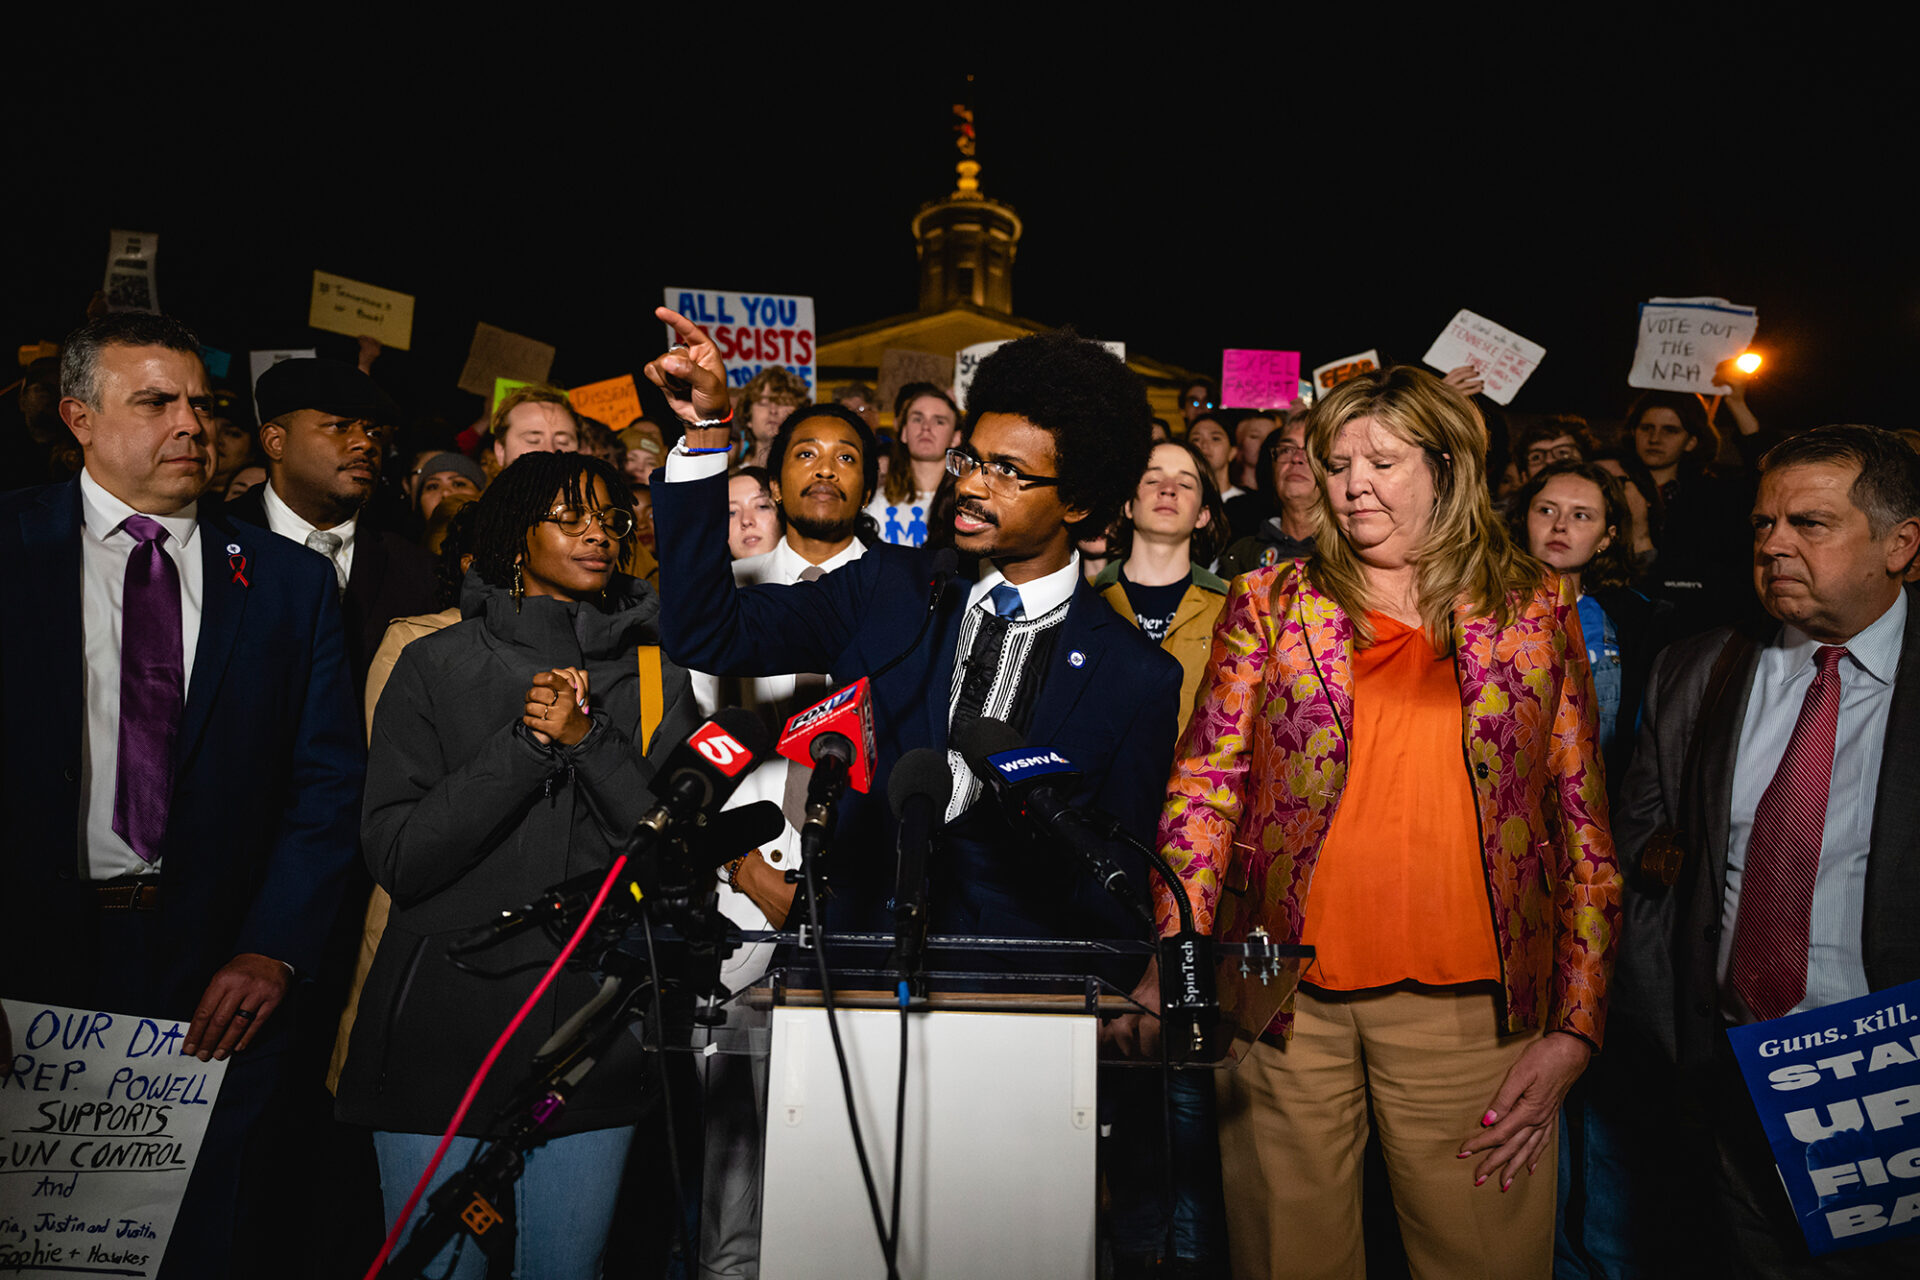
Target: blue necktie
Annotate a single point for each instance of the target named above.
(1006, 602)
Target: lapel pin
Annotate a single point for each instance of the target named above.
(238, 563)
(1076, 659)
(233, 548)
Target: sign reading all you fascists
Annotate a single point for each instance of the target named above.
(103, 1118)
(752, 330)
(1838, 1092)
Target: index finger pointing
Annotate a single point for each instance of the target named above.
(687, 331)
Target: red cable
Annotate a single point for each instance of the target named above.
(473, 1088)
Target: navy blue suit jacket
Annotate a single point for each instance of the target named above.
(267, 772)
(1109, 703)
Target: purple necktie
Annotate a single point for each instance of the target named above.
(152, 690)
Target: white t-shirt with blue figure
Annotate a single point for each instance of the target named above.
(1603, 655)
(902, 523)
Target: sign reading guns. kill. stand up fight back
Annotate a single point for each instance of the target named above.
(103, 1118)
(751, 330)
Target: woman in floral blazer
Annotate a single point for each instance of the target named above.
(1405, 727)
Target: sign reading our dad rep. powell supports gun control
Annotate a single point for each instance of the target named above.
(103, 1119)
(752, 330)
(1838, 1092)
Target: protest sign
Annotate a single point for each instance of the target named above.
(898, 368)
(751, 330)
(130, 283)
(495, 353)
(103, 1118)
(967, 363)
(258, 362)
(1330, 375)
(1836, 1089)
(31, 351)
(340, 305)
(216, 360)
(501, 386)
(615, 401)
(1683, 339)
(1501, 357)
(1258, 379)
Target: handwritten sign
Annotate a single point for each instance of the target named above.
(1503, 359)
(1838, 1092)
(103, 1119)
(1682, 339)
(1332, 374)
(1258, 379)
(258, 362)
(131, 257)
(900, 367)
(616, 401)
(340, 305)
(495, 353)
(752, 330)
(966, 363)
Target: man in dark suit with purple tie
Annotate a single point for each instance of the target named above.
(183, 757)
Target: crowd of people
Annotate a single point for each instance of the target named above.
(1516, 720)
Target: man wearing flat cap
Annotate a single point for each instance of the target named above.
(323, 462)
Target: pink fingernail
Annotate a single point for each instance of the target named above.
(1480, 1181)
(1462, 1155)
(1489, 1118)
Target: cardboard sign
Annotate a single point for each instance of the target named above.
(1838, 1092)
(1330, 375)
(258, 362)
(616, 401)
(898, 368)
(495, 353)
(1503, 359)
(340, 305)
(216, 360)
(752, 330)
(129, 285)
(1683, 339)
(1258, 379)
(104, 1118)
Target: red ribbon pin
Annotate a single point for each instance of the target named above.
(239, 566)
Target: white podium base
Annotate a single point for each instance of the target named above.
(1000, 1132)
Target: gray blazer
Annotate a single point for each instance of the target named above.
(1665, 982)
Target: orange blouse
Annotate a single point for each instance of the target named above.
(1399, 892)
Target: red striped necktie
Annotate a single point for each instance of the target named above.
(1769, 961)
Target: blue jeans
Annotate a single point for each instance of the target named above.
(1135, 1166)
(564, 1200)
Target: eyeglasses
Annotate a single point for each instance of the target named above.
(999, 477)
(1288, 452)
(1558, 453)
(617, 522)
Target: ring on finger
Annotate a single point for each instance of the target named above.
(247, 1014)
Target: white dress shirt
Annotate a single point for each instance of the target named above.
(288, 523)
(1836, 969)
(105, 547)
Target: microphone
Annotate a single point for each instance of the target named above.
(703, 771)
(835, 733)
(917, 790)
(1035, 783)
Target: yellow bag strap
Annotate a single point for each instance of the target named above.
(653, 693)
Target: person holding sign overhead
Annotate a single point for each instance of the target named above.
(1461, 895)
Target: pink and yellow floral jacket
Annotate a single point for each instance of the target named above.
(1261, 767)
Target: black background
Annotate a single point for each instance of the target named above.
(1328, 200)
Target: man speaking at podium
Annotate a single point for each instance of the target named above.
(1057, 436)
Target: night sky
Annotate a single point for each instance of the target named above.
(1329, 209)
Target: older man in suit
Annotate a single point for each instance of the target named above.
(1771, 813)
(183, 757)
